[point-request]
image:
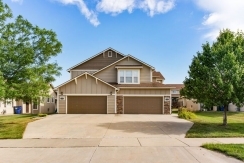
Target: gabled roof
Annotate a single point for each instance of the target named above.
(82, 75)
(95, 56)
(121, 60)
(158, 74)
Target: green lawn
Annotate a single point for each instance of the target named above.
(13, 126)
(174, 110)
(209, 124)
(234, 150)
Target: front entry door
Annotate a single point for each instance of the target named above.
(27, 107)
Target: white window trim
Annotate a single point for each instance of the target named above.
(36, 105)
(118, 77)
(110, 54)
(48, 100)
(175, 92)
(52, 99)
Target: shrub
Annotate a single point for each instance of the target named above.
(186, 114)
(42, 115)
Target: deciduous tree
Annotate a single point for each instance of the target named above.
(216, 74)
(25, 54)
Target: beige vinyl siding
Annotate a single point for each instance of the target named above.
(99, 61)
(145, 91)
(86, 86)
(110, 74)
(77, 73)
(111, 104)
(62, 106)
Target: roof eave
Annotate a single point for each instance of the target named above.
(146, 87)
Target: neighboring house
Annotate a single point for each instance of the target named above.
(178, 101)
(158, 77)
(111, 82)
(46, 105)
(189, 104)
(175, 94)
(234, 108)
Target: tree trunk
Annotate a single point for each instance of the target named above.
(225, 115)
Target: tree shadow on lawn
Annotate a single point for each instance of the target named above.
(151, 128)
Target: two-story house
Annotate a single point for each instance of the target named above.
(111, 82)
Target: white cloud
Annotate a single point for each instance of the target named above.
(19, 1)
(157, 6)
(222, 14)
(89, 14)
(115, 7)
(152, 7)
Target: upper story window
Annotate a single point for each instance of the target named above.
(175, 92)
(128, 76)
(110, 54)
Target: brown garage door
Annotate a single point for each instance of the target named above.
(87, 105)
(143, 105)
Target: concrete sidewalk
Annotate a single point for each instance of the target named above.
(115, 142)
(114, 150)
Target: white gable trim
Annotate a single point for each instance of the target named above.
(141, 61)
(102, 52)
(86, 76)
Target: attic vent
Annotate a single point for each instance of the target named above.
(110, 54)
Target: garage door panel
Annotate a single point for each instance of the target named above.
(87, 104)
(143, 105)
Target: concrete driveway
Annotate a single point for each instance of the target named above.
(109, 139)
(108, 126)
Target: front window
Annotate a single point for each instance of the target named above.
(121, 77)
(35, 107)
(135, 76)
(175, 92)
(128, 77)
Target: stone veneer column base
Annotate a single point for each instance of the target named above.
(120, 104)
(167, 105)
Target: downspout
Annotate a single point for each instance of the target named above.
(57, 101)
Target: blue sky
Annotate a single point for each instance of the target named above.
(164, 33)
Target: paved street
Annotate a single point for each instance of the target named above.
(111, 139)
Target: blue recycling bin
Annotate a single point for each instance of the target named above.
(222, 108)
(17, 109)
